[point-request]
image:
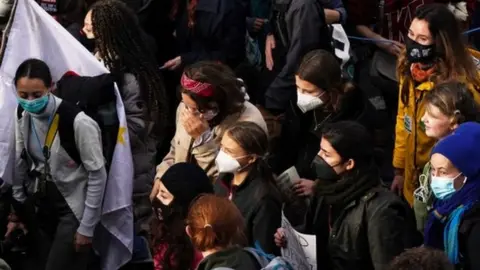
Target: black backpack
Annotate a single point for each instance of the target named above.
(95, 96)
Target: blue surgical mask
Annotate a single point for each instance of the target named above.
(35, 105)
(442, 187)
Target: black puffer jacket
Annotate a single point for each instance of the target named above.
(366, 234)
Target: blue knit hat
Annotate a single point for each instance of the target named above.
(462, 148)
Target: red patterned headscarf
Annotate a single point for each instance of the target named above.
(199, 88)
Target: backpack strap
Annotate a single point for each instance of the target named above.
(66, 130)
(262, 261)
(20, 111)
(51, 133)
(65, 118)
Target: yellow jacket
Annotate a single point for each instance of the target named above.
(412, 145)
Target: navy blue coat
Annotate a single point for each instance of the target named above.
(217, 35)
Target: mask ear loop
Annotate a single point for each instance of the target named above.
(464, 180)
(248, 164)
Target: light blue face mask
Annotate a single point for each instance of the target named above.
(442, 187)
(35, 105)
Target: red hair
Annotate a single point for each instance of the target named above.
(215, 222)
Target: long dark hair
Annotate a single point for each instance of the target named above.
(254, 140)
(322, 69)
(179, 252)
(228, 97)
(453, 59)
(34, 69)
(350, 140)
(123, 48)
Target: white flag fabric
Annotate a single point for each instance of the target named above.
(32, 33)
(342, 43)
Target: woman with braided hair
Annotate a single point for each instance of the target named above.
(122, 48)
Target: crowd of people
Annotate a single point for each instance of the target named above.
(223, 96)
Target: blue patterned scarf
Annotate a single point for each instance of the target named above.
(446, 218)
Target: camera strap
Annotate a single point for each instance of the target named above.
(49, 138)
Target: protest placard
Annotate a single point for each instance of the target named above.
(286, 180)
(301, 249)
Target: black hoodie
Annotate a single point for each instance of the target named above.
(236, 258)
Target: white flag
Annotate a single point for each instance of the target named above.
(341, 43)
(32, 33)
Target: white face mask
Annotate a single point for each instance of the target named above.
(209, 115)
(226, 163)
(307, 102)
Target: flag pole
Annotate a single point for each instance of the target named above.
(6, 31)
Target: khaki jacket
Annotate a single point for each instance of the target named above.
(204, 155)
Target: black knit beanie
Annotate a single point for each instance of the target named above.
(185, 181)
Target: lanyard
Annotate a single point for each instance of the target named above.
(50, 135)
(41, 188)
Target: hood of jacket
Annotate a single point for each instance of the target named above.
(235, 257)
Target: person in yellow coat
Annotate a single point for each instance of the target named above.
(434, 53)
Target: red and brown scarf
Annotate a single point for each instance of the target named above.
(421, 72)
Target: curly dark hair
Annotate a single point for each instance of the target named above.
(421, 258)
(123, 48)
(228, 97)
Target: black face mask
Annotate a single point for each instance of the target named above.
(418, 53)
(323, 171)
(89, 44)
(163, 212)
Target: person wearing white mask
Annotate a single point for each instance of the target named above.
(323, 97)
(213, 99)
(246, 180)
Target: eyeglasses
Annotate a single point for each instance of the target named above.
(192, 110)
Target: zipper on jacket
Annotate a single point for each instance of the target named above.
(336, 223)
